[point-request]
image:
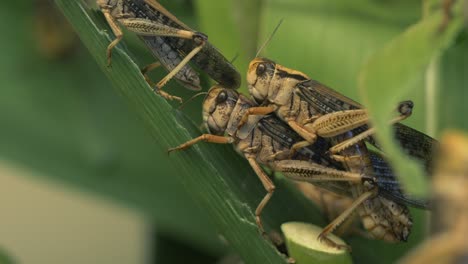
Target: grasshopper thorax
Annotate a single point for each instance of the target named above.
(218, 108)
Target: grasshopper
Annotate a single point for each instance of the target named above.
(449, 221)
(313, 111)
(171, 41)
(266, 140)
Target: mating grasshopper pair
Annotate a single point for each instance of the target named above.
(312, 110)
(171, 41)
(268, 141)
(309, 108)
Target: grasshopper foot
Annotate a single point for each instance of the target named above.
(199, 38)
(167, 96)
(325, 240)
(258, 220)
(109, 59)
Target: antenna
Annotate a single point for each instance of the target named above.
(190, 99)
(235, 58)
(269, 38)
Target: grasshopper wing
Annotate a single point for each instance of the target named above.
(389, 186)
(279, 131)
(209, 59)
(326, 100)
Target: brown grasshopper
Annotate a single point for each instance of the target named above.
(449, 221)
(171, 41)
(266, 140)
(313, 111)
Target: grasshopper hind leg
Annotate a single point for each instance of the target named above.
(149, 68)
(150, 28)
(198, 38)
(405, 109)
(323, 237)
(164, 94)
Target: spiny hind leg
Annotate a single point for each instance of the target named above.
(164, 94)
(149, 68)
(147, 27)
(327, 125)
(323, 237)
(405, 109)
(308, 171)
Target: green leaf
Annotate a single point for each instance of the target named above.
(451, 81)
(5, 258)
(234, 26)
(392, 73)
(62, 120)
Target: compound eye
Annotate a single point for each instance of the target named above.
(261, 68)
(221, 98)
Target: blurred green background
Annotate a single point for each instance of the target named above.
(61, 121)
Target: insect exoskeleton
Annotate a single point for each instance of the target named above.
(174, 44)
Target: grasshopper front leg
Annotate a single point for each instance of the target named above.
(259, 110)
(313, 173)
(206, 138)
(269, 187)
(117, 32)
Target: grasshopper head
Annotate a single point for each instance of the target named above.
(259, 76)
(217, 109)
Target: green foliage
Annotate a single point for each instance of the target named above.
(5, 258)
(226, 188)
(63, 119)
(391, 74)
